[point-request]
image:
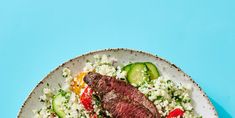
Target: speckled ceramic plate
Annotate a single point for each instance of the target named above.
(201, 102)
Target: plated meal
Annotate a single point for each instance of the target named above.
(117, 83)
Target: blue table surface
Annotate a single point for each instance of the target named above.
(38, 35)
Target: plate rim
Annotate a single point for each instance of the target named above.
(117, 49)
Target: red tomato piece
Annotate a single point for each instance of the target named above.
(86, 99)
(176, 113)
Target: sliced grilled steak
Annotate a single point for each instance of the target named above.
(124, 99)
(121, 107)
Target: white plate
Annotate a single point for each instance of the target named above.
(201, 102)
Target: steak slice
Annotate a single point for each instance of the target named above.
(125, 96)
(121, 107)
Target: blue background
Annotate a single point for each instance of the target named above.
(38, 35)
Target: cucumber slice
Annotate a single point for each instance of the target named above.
(153, 71)
(137, 74)
(57, 103)
(127, 68)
